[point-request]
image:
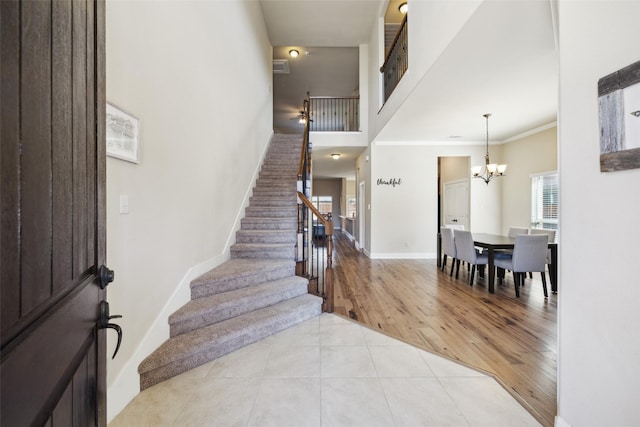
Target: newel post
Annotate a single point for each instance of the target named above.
(328, 304)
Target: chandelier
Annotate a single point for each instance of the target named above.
(489, 170)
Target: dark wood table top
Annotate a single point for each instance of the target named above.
(497, 241)
(493, 240)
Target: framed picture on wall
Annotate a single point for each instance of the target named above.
(123, 135)
(619, 109)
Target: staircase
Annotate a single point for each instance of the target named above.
(254, 294)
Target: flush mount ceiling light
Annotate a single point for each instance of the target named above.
(489, 170)
(404, 8)
(335, 156)
(294, 53)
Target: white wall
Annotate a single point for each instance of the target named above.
(363, 173)
(404, 218)
(529, 155)
(330, 187)
(205, 115)
(599, 344)
(432, 26)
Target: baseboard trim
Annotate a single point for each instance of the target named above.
(402, 255)
(126, 385)
(231, 238)
(559, 422)
(349, 236)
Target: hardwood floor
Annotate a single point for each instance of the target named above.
(514, 339)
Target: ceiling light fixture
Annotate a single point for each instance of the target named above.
(489, 170)
(294, 53)
(303, 117)
(404, 8)
(335, 156)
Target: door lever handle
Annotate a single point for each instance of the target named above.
(105, 324)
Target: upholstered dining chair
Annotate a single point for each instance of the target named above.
(448, 247)
(529, 255)
(467, 252)
(455, 226)
(551, 234)
(514, 231)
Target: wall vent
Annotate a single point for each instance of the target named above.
(280, 66)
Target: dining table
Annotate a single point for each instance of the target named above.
(491, 242)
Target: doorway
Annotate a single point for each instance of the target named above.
(454, 191)
(455, 209)
(361, 216)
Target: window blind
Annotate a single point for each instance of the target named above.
(544, 201)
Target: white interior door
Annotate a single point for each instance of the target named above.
(456, 203)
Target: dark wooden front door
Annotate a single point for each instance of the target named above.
(52, 199)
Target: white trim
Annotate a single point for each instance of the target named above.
(126, 386)
(351, 238)
(431, 143)
(462, 142)
(231, 238)
(533, 175)
(530, 132)
(559, 422)
(402, 255)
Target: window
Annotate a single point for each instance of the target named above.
(323, 203)
(544, 201)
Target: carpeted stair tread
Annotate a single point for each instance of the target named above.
(205, 311)
(250, 296)
(187, 351)
(272, 201)
(263, 250)
(289, 211)
(274, 191)
(265, 236)
(264, 223)
(238, 273)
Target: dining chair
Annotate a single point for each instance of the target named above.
(552, 238)
(466, 251)
(514, 231)
(455, 226)
(529, 255)
(448, 247)
(551, 234)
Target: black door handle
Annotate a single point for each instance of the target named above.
(104, 324)
(106, 276)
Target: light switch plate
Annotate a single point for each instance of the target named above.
(124, 204)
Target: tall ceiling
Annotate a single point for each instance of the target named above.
(320, 71)
(503, 62)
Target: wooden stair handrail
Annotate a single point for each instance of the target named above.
(305, 136)
(392, 45)
(305, 143)
(328, 230)
(328, 225)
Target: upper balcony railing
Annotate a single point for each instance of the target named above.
(397, 61)
(334, 114)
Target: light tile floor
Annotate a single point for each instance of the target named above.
(328, 371)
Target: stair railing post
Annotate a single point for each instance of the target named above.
(328, 276)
